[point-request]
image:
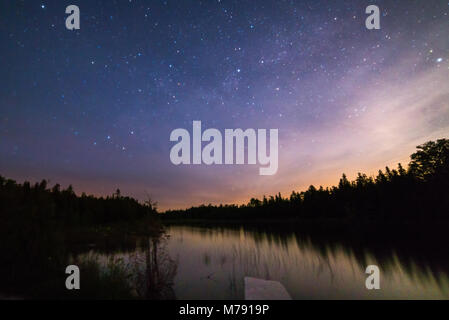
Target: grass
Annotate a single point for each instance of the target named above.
(33, 260)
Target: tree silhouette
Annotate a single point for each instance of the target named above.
(431, 159)
(417, 193)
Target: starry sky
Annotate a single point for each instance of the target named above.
(95, 107)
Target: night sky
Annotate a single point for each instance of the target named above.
(95, 107)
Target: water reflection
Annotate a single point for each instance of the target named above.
(155, 271)
(149, 268)
(214, 261)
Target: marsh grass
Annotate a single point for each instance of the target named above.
(145, 273)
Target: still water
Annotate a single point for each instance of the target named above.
(211, 263)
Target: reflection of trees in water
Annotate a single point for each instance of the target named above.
(154, 271)
(417, 250)
(420, 258)
(148, 270)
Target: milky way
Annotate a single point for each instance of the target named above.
(95, 107)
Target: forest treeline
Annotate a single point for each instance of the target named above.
(40, 227)
(54, 204)
(419, 191)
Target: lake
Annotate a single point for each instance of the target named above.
(211, 263)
